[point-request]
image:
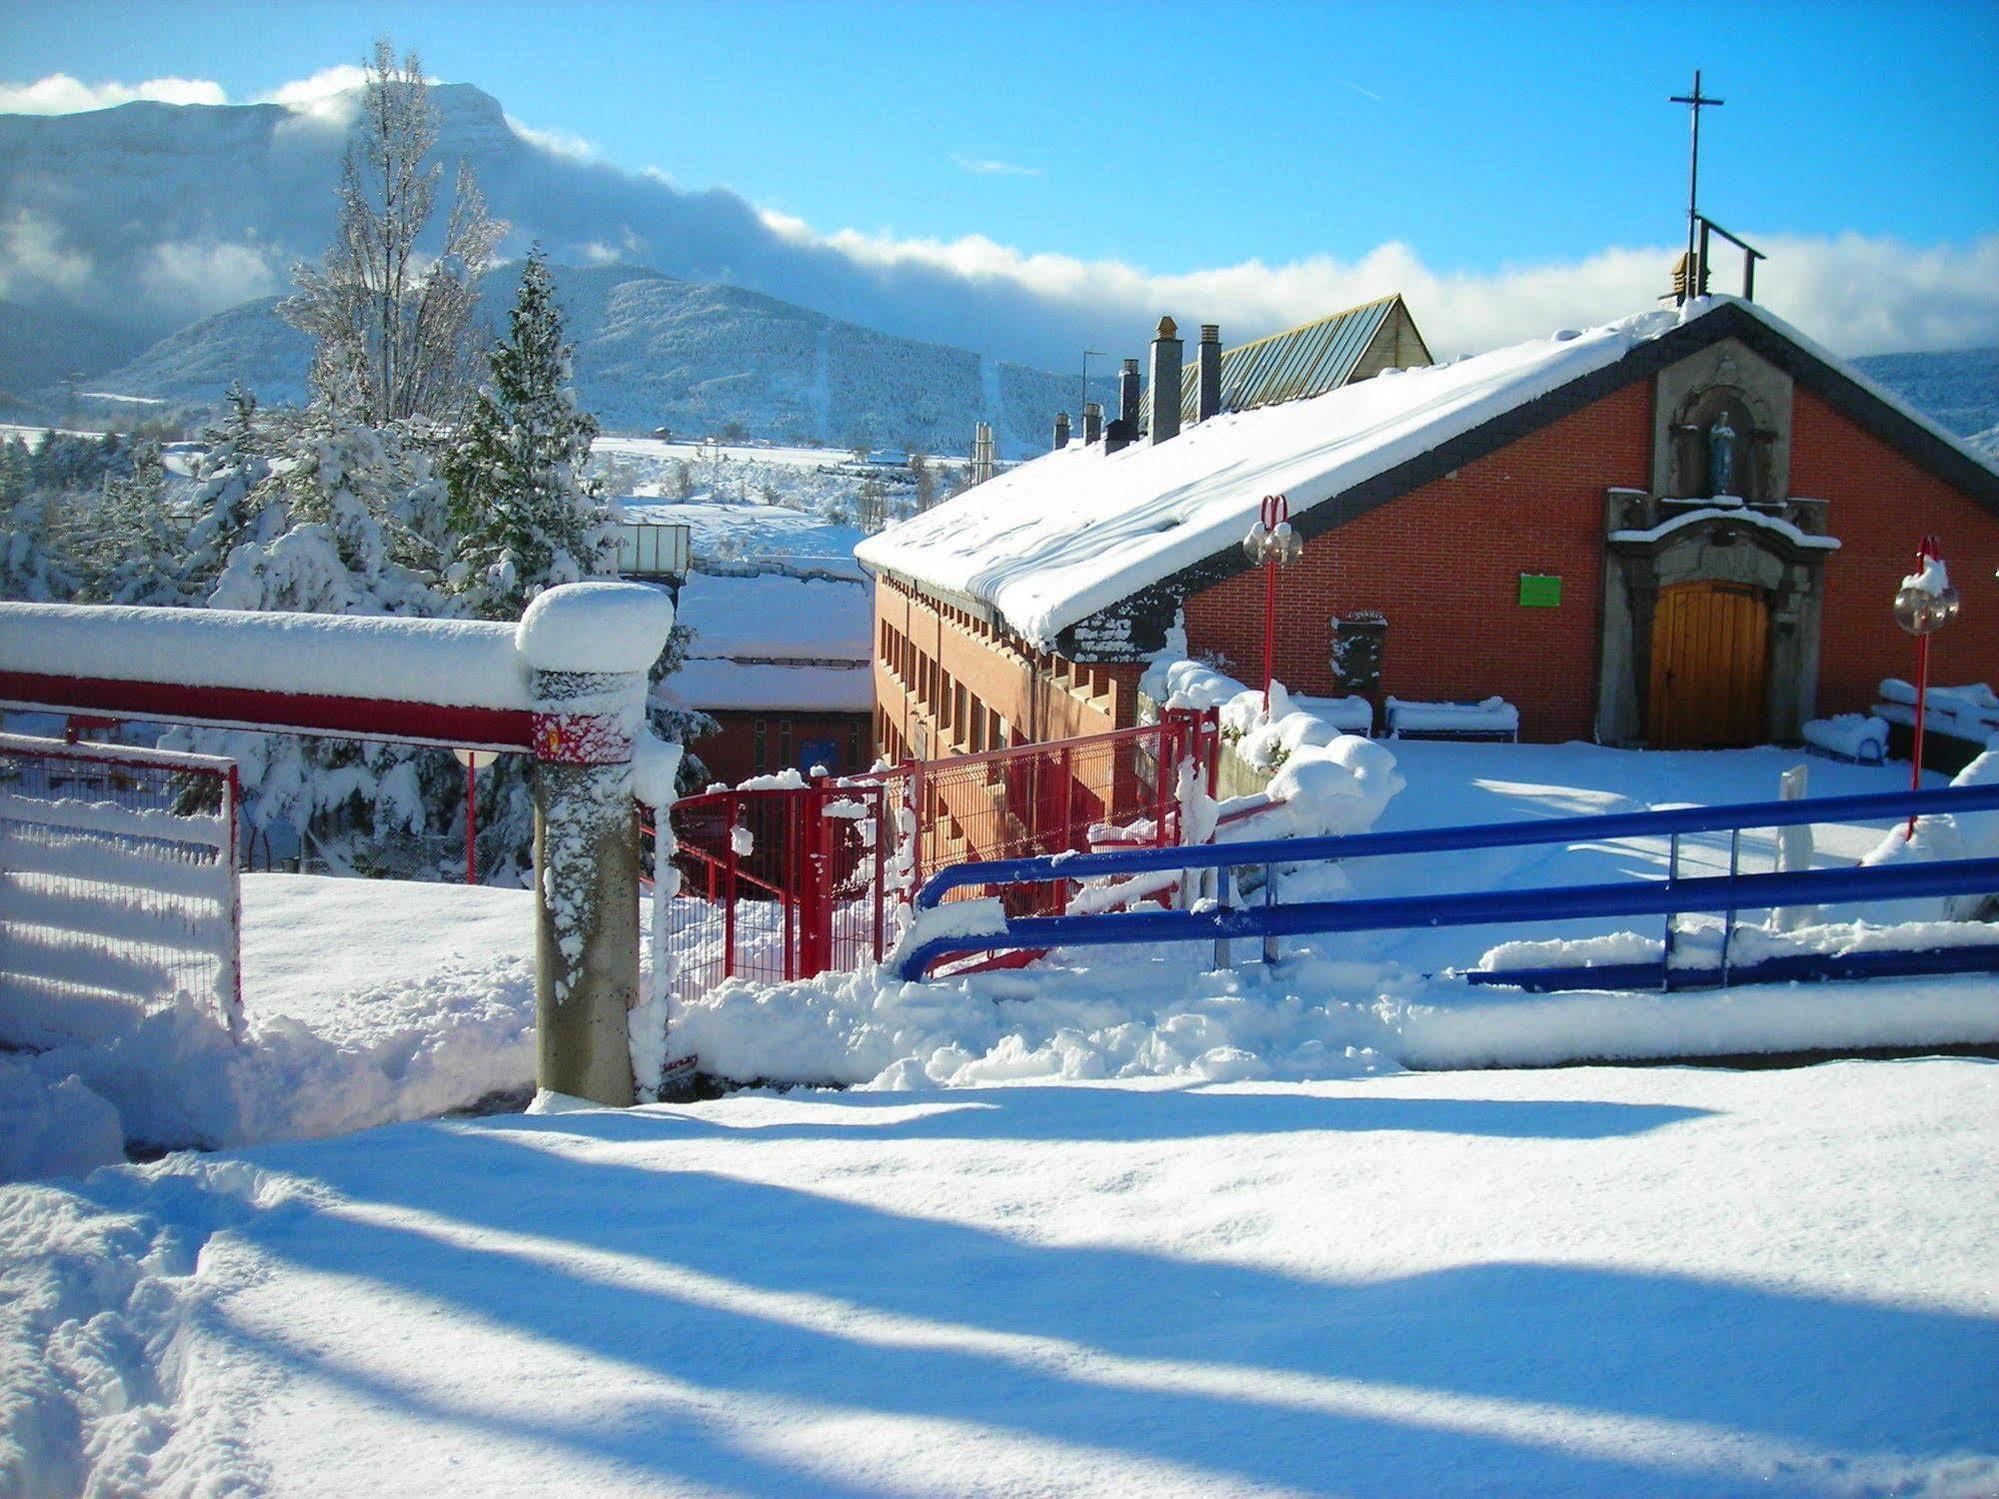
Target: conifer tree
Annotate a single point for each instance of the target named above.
(522, 512)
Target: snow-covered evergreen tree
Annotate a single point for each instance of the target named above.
(523, 516)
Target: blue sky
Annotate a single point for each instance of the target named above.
(1176, 137)
(1511, 167)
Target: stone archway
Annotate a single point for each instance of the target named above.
(1768, 566)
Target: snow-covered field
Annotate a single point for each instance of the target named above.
(365, 1000)
(1585, 1282)
(371, 1001)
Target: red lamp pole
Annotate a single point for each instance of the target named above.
(1924, 605)
(1276, 511)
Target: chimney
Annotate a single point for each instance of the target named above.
(1163, 420)
(1119, 435)
(1061, 430)
(1208, 372)
(1093, 422)
(1127, 396)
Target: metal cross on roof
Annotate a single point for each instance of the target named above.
(1691, 285)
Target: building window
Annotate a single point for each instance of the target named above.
(758, 746)
(784, 743)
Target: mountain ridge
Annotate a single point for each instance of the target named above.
(657, 350)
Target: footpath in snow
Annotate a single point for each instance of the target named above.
(1586, 1282)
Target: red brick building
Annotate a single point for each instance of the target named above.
(1684, 529)
(780, 662)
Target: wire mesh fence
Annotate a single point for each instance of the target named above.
(118, 887)
(788, 882)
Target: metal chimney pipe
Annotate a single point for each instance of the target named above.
(1208, 372)
(1093, 422)
(1163, 396)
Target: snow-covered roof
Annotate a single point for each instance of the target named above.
(720, 685)
(1054, 541)
(777, 617)
(751, 533)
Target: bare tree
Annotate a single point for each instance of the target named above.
(394, 326)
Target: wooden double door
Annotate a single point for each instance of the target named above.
(1710, 667)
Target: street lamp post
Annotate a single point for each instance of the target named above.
(1924, 604)
(1272, 542)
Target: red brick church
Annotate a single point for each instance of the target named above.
(1685, 529)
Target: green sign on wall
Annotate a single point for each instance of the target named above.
(1540, 591)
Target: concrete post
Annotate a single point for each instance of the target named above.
(588, 647)
(1163, 396)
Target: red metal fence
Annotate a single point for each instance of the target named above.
(118, 887)
(782, 883)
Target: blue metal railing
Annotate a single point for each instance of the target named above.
(1729, 893)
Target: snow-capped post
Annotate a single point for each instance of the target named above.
(1272, 542)
(1924, 604)
(588, 647)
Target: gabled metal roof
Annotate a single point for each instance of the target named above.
(1304, 361)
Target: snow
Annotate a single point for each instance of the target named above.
(1072, 532)
(1856, 736)
(754, 535)
(364, 1001)
(1583, 1282)
(1969, 712)
(722, 685)
(53, 1125)
(1494, 715)
(777, 617)
(1725, 509)
(1932, 579)
(458, 663)
(596, 627)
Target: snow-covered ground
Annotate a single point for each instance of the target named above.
(373, 1001)
(1347, 1005)
(365, 1001)
(1584, 1282)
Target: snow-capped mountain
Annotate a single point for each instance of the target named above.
(1959, 389)
(148, 216)
(654, 351)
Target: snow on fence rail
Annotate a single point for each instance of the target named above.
(118, 887)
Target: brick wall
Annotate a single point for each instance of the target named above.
(731, 754)
(1443, 563)
(1040, 697)
(1879, 504)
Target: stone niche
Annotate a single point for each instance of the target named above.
(1728, 382)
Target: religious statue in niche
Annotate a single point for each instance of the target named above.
(1721, 450)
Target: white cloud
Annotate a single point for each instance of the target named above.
(563, 143)
(327, 83)
(1852, 293)
(987, 167)
(34, 258)
(60, 94)
(206, 276)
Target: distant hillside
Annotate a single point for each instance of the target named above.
(1959, 390)
(654, 351)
